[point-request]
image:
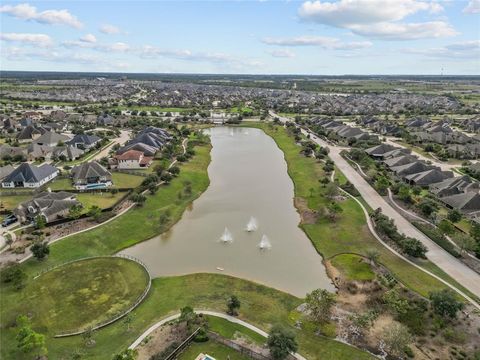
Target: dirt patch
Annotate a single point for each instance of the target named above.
(307, 215)
(160, 339)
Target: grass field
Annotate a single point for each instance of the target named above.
(260, 305)
(231, 330)
(11, 201)
(119, 180)
(77, 295)
(350, 232)
(212, 348)
(353, 267)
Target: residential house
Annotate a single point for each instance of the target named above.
(131, 159)
(30, 176)
(454, 186)
(51, 138)
(428, 177)
(51, 206)
(30, 133)
(5, 171)
(91, 175)
(84, 141)
(468, 203)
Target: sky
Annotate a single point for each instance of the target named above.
(322, 37)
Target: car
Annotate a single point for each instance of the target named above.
(9, 220)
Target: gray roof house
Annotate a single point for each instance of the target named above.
(5, 171)
(50, 205)
(84, 141)
(30, 133)
(454, 186)
(30, 176)
(91, 175)
(411, 168)
(399, 160)
(467, 203)
(428, 177)
(51, 138)
(380, 150)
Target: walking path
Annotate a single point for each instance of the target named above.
(209, 313)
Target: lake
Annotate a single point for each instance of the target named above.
(248, 178)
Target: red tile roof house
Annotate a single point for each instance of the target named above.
(131, 159)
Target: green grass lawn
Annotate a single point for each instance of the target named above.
(119, 180)
(102, 200)
(260, 305)
(231, 330)
(349, 234)
(353, 267)
(10, 202)
(212, 348)
(77, 295)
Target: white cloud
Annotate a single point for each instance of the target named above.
(40, 40)
(473, 7)
(29, 12)
(109, 29)
(455, 51)
(83, 43)
(89, 38)
(321, 41)
(405, 31)
(282, 53)
(148, 51)
(377, 18)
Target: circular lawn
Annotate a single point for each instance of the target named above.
(83, 294)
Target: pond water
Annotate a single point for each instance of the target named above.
(248, 178)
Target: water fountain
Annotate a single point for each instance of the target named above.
(226, 236)
(252, 224)
(264, 244)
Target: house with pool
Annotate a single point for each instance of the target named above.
(91, 175)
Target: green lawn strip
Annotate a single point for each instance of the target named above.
(77, 295)
(231, 330)
(212, 348)
(260, 305)
(126, 181)
(349, 234)
(102, 200)
(353, 267)
(10, 202)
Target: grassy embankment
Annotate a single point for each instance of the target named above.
(349, 234)
(261, 305)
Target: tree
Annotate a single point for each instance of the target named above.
(281, 342)
(404, 193)
(94, 212)
(319, 305)
(427, 207)
(454, 216)
(114, 191)
(127, 321)
(28, 340)
(397, 338)
(128, 354)
(382, 184)
(40, 222)
(15, 275)
(40, 250)
(413, 247)
(446, 227)
(75, 212)
(465, 242)
(233, 304)
(331, 190)
(395, 303)
(88, 336)
(372, 256)
(334, 209)
(445, 304)
(138, 199)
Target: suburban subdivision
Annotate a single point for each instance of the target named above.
(236, 180)
(249, 226)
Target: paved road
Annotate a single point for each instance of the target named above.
(122, 139)
(452, 266)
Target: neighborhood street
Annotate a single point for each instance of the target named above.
(122, 139)
(452, 266)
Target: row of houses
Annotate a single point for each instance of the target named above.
(86, 176)
(341, 130)
(139, 152)
(461, 192)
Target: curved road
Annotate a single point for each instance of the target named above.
(450, 265)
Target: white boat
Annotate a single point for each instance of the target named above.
(220, 268)
(252, 224)
(226, 236)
